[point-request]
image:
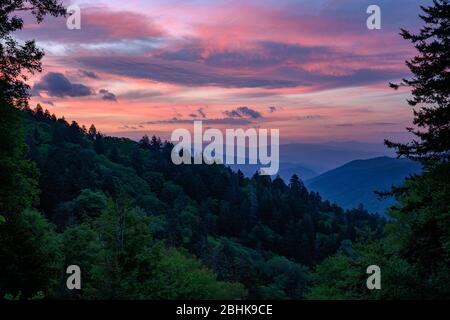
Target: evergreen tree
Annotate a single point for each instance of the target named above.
(414, 256)
(430, 86)
(92, 133)
(27, 243)
(144, 143)
(18, 176)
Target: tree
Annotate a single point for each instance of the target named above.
(430, 86)
(179, 276)
(81, 246)
(86, 206)
(144, 143)
(414, 255)
(18, 176)
(30, 256)
(288, 277)
(92, 133)
(26, 240)
(419, 230)
(18, 60)
(155, 143)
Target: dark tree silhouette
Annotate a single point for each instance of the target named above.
(430, 86)
(18, 176)
(16, 59)
(26, 241)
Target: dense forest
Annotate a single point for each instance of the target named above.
(126, 215)
(141, 227)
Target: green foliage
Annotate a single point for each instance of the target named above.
(265, 275)
(11, 297)
(420, 229)
(414, 257)
(335, 279)
(178, 276)
(342, 277)
(120, 260)
(287, 277)
(18, 175)
(27, 241)
(86, 206)
(118, 218)
(30, 255)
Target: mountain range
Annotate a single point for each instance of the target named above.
(355, 182)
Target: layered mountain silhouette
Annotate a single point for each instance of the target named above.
(331, 169)
(355, 182)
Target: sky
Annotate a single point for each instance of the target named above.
(309, 68)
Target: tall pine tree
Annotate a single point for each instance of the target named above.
(25, 238)
(430, 86)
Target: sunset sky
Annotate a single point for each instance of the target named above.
(310, 68)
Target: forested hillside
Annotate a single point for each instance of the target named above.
(141, 227)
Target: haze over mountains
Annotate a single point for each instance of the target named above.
(355, 182)
(308, 160)
(346, 173)
(321, 157)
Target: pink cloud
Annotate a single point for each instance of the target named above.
(167, 61)
(98, 24)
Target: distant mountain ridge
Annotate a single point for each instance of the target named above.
(308, 160)
(355, 182)
(322, 157)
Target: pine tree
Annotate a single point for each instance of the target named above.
(20, 233)
(144, 143)
(17, 175)
(92, 133)
(430, 86)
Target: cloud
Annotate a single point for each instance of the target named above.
(243, 112)
(188, 53)
(373, 123)
(345, 125)
(181, 73)
(196, 74)
(106, 95)
(49, 102)
(215, 121)
(55, 84)
(309, 117)
(140, 94)
(88, 74)
(321, 47)
(98, 25)
(268, 54)
(381, 123)
(130, 127)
